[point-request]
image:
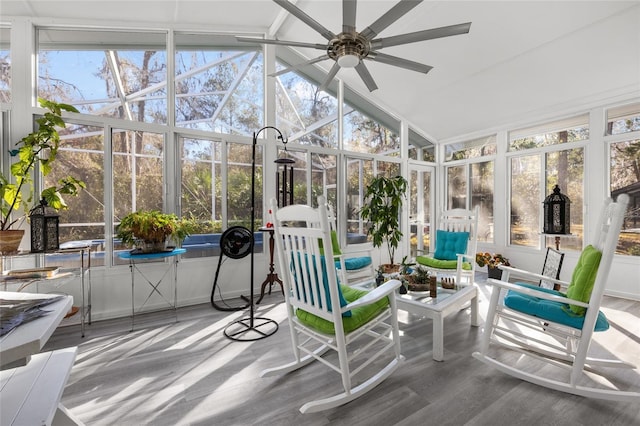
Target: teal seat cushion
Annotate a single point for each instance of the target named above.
(325, 283)
(584, 277)
(550, 310)
(441, 264)
(359, 316)
(355, 263)
(450, 244)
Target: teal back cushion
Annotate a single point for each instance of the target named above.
(584, 277)
(448, 244)
(325, 283)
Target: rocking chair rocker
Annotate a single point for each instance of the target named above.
(556, 328)
(361, 326)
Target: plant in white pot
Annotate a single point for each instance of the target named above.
(36, 152)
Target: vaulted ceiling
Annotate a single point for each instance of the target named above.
(521, 59)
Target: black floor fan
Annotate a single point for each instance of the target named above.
(235, 243)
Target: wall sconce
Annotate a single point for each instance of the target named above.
(45, 226)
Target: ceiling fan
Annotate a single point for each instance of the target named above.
(350, 48)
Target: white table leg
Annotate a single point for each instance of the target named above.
(438, 337)
(475, 321)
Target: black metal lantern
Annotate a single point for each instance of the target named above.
(45, 223)
(557, 213)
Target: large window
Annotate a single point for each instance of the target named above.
(625, 179)
(470, 180)
(106, 73)
(546, 161)
(219, 87)
(309, 116)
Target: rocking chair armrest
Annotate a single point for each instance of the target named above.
(462, 256)
(529, 274)
(374, 295)
(540, 294)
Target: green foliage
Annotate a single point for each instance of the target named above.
(153, 226)
(385, 196)
(37, 148)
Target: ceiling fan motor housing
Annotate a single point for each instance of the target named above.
(347, 47)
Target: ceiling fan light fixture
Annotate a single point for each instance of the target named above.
(348, 61)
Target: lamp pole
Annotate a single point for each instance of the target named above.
(253, 328)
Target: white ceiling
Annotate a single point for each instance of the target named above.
(521, 59)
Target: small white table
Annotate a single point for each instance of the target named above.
(32, 390)
(438, 308)
(174, 256)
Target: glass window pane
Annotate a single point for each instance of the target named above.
(81, 155)
(524, 229)
(218, 88)
(137, 174)
(623, 119)
(324, 179)
(482, 196)
(364, 134)
(625, 179)
(559, 132)
(471, 149)
(5, 64)
(307, 115)
(359, 173)
(239, 185)
(457, 187)
(121, 74)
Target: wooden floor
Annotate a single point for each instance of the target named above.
(189, 373)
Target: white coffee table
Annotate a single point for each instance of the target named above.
(438, 308)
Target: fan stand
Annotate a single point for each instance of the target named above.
(252, 328)
(237, 254)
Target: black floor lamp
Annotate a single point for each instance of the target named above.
(255, 328)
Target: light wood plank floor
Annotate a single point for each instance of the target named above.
(188, 373)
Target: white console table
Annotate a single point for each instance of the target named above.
(31, 385)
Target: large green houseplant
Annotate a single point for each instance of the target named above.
(383, 205)
(36, 152)
(151, 230)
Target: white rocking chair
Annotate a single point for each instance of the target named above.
(456, 245)
(360, 326)
(556, 328)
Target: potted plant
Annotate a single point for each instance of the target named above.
(38, 148)
(384, 197)
(151, 230)
(492, 261)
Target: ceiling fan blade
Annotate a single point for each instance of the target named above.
(399, 62)
(364, 74)
(298, 13)
(431, 34)
(349, 15)
(392, 15)
(332, 73)
(281, 42)
(300, 65)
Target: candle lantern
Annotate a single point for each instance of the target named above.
(557, 213)
(45, 223)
